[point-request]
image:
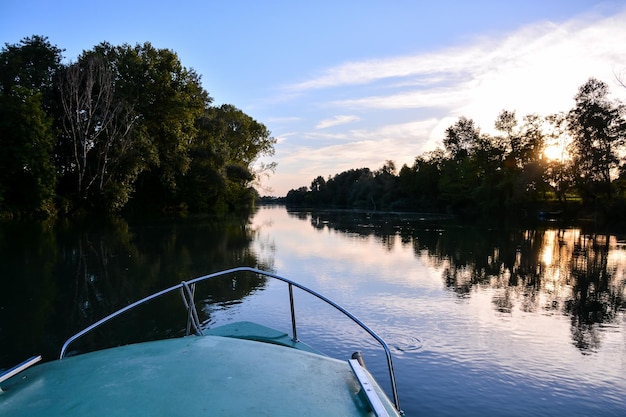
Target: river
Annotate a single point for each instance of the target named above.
(481, 321)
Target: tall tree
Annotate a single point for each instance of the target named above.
(27, 171)
(559, 173)
(167, 98)
(149, 103)
(522, 168)
(461, 138)
(598, 129)
(421, 181)
(97, 125)
(27, 135)
(30, 64)
(223, 154)
(246, 138)
(459, 177)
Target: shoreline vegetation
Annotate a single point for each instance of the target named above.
(119, 130)
(128, 130)
(588, 222)
(569, 166)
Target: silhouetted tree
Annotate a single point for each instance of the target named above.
(598, 130)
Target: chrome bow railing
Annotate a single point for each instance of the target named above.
(187, 289)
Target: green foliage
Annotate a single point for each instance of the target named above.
(164, 100)
(226, 146)
(30, 64)
(27, 135)
(355, 188)
(27, 172)
(123, 127)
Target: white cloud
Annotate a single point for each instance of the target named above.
(337, 120)
(536, 69)
(287, 119)
(357, 149)
(283, 137)
(438, 97)
(545, 45)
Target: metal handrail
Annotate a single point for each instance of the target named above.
(184, 286)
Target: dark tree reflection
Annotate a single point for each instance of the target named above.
(595, 281)
(64, 277)
(563, 271)
(548, 270)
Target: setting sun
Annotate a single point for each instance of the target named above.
(555, 153)
(552, 152)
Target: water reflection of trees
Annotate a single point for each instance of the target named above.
(548, 271)
(27, 286)
(566, 271)
(58, 279)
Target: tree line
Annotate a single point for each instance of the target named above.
(121, 128)
(571, 162)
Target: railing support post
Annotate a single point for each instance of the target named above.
(294, 330)
(192, 313)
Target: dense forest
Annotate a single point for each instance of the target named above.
(567, 164)
(122, 128)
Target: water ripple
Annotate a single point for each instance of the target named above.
(403, 343)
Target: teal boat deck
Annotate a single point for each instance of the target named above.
(191, 376)
(254, 331)
(239, 369)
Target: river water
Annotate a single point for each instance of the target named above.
(480, 321)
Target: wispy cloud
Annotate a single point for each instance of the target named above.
(284, 136)
(358, 148)
(399, 107)
(336, 121)
(536, 69)
(543, 44)
(287, 119)
(438, 97)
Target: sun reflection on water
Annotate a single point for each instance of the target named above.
(535, 314)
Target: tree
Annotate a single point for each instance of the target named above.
(461, 138)
(166, 99)
(319, 191)
(97, 126)
(31, 64)
(222, 159)
(27, 136)
(598, 130)
(506, 122)
(247, 139)
(459, 174)
(421, 181)
(297, 197)
(532, 139)
(318, 184)
(522, 168)
(120, 122)
(27, 171)
(559, 173)
(243, 140)
(385, 189)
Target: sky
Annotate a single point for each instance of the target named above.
(351, 84)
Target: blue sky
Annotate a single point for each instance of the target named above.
(351, 84)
